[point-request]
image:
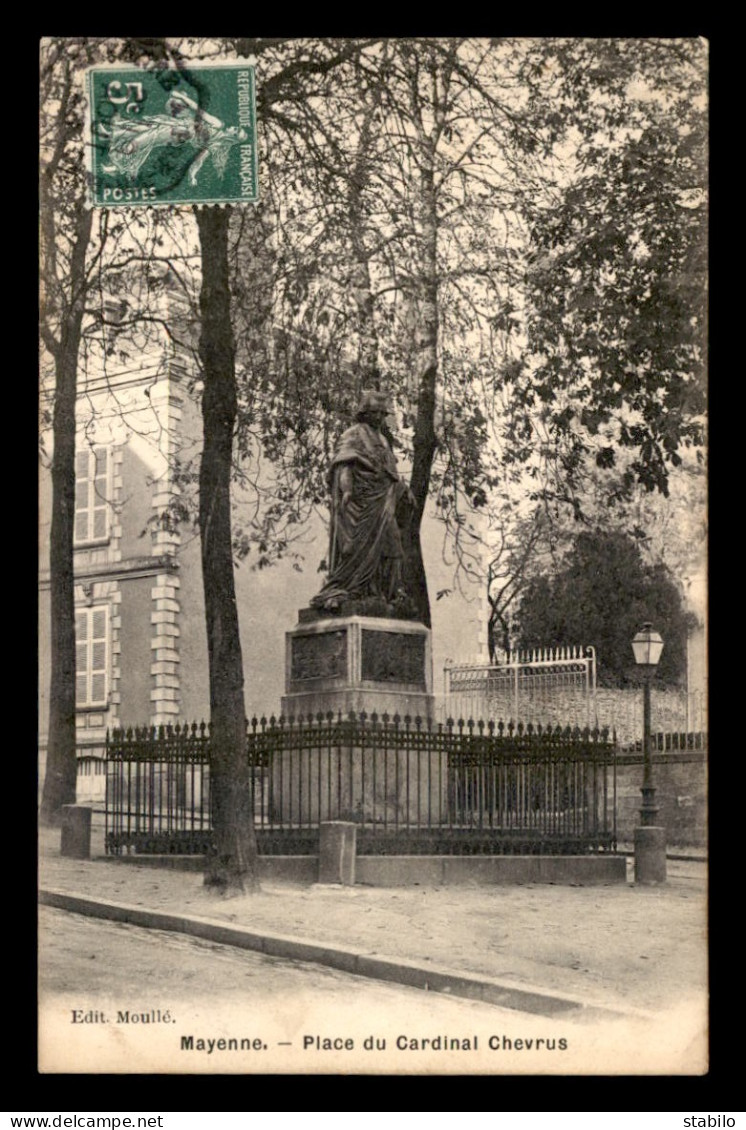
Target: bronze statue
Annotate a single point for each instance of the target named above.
(370, 508)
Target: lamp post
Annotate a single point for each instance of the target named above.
(649, 837)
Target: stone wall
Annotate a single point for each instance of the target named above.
(681, 794)
(619, 709)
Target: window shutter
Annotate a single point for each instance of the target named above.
(92, 495)
(99, 501)
(92, 656)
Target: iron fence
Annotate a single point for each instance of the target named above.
(670, 742)
(451, 788)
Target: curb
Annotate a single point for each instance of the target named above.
(396, 970)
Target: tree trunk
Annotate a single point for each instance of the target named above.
(424, 442)
(369, 373)
(362, 291)
(233, 865)
(62, 768)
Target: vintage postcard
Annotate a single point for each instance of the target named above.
(373, 617)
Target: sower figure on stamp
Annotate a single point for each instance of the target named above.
(370, 509)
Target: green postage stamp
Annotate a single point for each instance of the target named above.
(172, 135)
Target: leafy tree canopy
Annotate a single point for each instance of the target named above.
(615, 278)
(601, 597)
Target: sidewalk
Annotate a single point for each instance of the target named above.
(617, 946)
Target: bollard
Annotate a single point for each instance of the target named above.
(650, 855)
(76, 831)
(337, 848)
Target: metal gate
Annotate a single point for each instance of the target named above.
(548, 686)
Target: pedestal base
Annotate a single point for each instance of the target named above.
(650, 855)
(361, 778)
(359, 663)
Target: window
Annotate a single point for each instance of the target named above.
(91, 656)
(91, 496)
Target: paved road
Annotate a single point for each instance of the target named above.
(119, 998)
(95, 959)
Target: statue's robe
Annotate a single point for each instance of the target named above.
(365, 545)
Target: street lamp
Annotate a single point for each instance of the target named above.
(650, 839)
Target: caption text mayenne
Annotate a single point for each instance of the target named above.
(380, 1043)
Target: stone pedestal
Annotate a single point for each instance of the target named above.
(650, 855)
(75, 840)
(337, 848)
(359, 663)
